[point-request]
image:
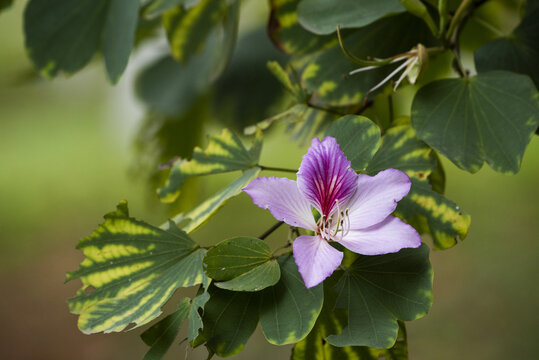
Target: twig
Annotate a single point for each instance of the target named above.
(270, 230)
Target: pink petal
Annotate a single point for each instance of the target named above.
(316, 259)
(325, 175)
(386, 237)
(282, 198)
(376, 197)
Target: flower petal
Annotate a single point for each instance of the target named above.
(325, 175)
(376, 197)
(316, 259)
(389, 236)
(282, 198)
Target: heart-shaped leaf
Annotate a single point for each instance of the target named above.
(489, 117)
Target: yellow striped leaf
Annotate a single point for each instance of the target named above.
(131, 269)
(225, 153)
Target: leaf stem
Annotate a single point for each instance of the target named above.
(271, 168)
(270, 230)
(455, 21)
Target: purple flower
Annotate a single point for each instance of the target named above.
(354, 209)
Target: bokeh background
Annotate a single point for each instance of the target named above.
(67, 157)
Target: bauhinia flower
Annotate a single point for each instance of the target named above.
(353, 209)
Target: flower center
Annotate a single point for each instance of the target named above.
(335, 226)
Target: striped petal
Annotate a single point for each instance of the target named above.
(282, 198)
(325, 175)
(316, 259)
(376, 197)
(388, 236)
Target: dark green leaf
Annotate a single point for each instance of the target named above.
(230, 318)
(331, 321)
(358, 138)
(243, 264)
(322, 16)
(198, 303)
(224, 153)
(446, 222)
(119, 36)
(401, 149)
(288, 35)
(64, 35)
(519, 52)
(161, 335)
(379, 290)
(131, 269)
(491, 117)
(288, 310)
(325, 75)
(206, 209)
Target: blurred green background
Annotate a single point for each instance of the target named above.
(66, 155)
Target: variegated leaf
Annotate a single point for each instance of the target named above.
(131, 269)
(225, 153)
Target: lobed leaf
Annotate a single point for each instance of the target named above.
(131, 269)
(230, 318)
(358, 138)
(288, 310)
(377, 291)
(64, 35)
(489, 117)
(242, 264)
(517, 52)
(288, 35)
(162, 334)
(323, 16)
(225, 153)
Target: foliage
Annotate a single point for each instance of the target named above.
(348, 70)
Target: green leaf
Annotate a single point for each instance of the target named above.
(64, 35)
(322, 16)
(379, 290)
(288, 310)
(446, 222)
(491, 117)
(331, 321)
(243, 264)
(206, 209)
(225, 153)
(119, 36)
(358, 137)
(401, 149)
(161, 335)
(288, 35)
(230, 318)
(131, 269)
(158, 7)
(325, 75)
(519, 52)
(290, 84)
(187, 30)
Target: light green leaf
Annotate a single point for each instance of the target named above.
(401, 149)
(491, 117)
(243, 264)
(288, 35)
(161, 335)
(519, 52)
(131, 269)
(205, 210)
(377, 291)
(446, 222)
(119, 36)
(64, 35)
(288, 310)
(322, 16)
(325, 75)
(225, 153)
(358, 137)
(331, 321)
(230, 318)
